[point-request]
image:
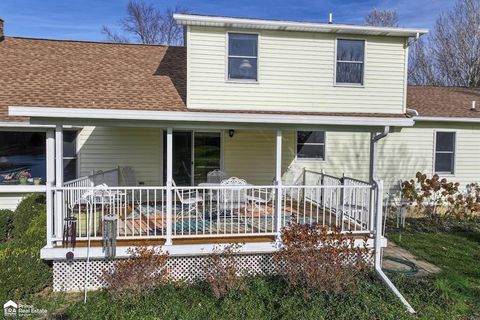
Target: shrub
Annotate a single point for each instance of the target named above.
(6, 224)
(31, 206)
(435, 197)
(221, 272)
(312, 258)
(144, 269)
(22, 271)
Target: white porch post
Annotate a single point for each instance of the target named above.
(278, 182)
(50, 152)
(168, 240)
(58, 180)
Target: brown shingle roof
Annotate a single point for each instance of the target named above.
(57, 73)
(443, 101)
(54, 73)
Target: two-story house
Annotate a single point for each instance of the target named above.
(252, 124)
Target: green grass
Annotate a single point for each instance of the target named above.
(458, 255)
(452, 294)
(263, 298)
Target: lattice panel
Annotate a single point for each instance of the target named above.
(70, 276)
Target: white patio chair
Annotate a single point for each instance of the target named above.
(233, 198)
(259, 198)
(190, 198)
(215, 176)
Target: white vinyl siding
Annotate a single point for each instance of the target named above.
(103, 148)
(250, 154)
(295, 73)
(10, 200)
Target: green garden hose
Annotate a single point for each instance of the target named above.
(413, 267)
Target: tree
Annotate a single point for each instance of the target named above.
(456, 45)
(147, 24)
(421, 70)
(451, 56)
(382, 18)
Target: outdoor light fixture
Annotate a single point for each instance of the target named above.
(231, 132)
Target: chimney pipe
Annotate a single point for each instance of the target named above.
(2, 35)
(473, 107)
(330, 18)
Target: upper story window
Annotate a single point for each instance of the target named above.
(350, 61)
(311, 145)
(445, 152)
(242, 56)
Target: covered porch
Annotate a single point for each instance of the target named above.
(185, 207)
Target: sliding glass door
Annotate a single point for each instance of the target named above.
(207, 155)
(194, 155)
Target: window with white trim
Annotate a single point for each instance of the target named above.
(445, 152)
(242, 56)
(350, 61)
(69, 155)
(311, 145)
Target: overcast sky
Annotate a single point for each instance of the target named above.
(83, 19)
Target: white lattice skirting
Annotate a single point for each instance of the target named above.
(70, 275)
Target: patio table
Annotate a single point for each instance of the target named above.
(212, 184)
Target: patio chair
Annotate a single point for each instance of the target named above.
(233, 197)
(190, 198)
(260, 197)
(215, 176)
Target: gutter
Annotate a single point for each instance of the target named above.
(446, 119)
(284, 25)
(378, 228)
(203, 116)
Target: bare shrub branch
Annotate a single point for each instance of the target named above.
(313, 258)
(221, 271)
(144, 269)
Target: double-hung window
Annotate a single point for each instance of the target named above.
(445, 152)
(311, 145)
(242, 56)
(350, 61)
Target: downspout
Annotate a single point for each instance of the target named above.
(378, 184)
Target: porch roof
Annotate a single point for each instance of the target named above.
(75, 116)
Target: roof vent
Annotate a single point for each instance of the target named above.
(330, 18)
(473, 107)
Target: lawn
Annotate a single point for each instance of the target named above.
(458, 254)
(452, 294)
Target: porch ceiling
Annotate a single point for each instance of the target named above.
(234, 119)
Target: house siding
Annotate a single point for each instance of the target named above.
(10, 200)
(103, 148)
(412, 150)
(250, 154)
(296, 73)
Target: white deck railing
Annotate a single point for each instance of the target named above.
(109, 177)
(212, 211)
